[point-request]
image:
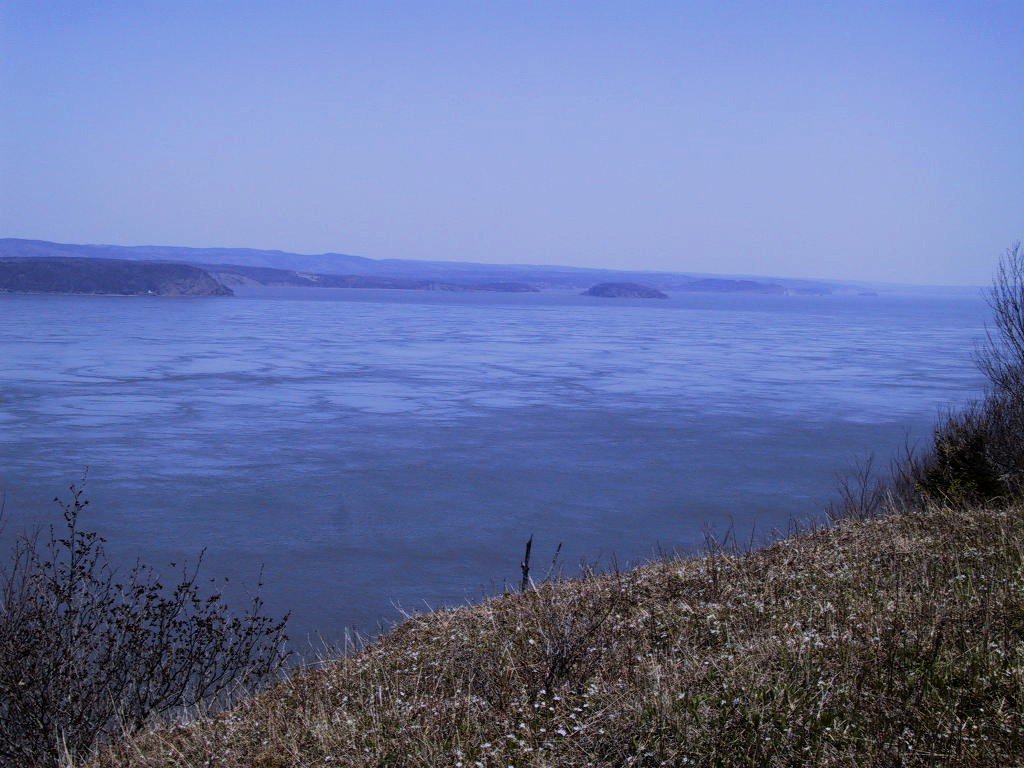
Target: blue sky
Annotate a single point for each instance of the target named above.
(837, 140)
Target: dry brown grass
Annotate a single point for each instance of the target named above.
(889, 642)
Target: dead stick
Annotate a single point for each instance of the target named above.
(525, 565)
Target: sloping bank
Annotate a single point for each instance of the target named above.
(895, 641)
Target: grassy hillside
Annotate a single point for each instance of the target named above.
(894, 641)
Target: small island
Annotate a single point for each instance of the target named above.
(624, 291)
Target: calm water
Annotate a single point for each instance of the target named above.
(383, 449)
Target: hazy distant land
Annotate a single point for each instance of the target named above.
(107, 276)
(41, 266)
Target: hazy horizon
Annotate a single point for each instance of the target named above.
(624, 270)
(852, 142)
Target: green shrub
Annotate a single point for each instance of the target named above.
(962, 468)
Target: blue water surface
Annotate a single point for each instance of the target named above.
(386, 450)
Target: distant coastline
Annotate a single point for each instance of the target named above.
(238, 267)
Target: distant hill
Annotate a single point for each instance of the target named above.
(722, 285)
(106, 276)
(433, 272)
(327, 262)
(241, 275)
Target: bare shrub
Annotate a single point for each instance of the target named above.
(976, 454)
(549, 639)
(86, 653)
(1001, 358)
(862, 494)
(570, 627)
(989, 438)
